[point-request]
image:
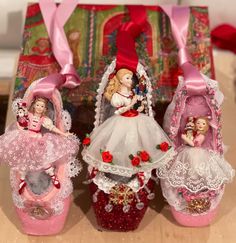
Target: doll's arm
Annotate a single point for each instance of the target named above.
(48, 124)
(187, 140)
(128, 107)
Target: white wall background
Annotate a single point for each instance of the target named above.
(12, 15)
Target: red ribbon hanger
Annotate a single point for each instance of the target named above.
(126, 56)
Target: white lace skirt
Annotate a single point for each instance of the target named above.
(197, 169)
(123, 136)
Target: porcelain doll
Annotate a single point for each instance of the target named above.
(22, 116)
(126, 145)
(204, 168)
(33, 149)
(129, 141)
(189, 128)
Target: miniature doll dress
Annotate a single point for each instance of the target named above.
(197, 168)
(34, 149)
(123, 135)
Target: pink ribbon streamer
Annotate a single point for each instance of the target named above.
(179, 19)
(55, 19)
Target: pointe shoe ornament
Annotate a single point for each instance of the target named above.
(193, 182)
(40, 138)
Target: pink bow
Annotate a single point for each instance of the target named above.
(179, 19)
(55, 19)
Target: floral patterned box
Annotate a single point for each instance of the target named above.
(91, 31)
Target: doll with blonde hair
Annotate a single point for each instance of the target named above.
(117, 144)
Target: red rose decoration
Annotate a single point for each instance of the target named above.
(164, 146)
(135, 161)
(144, 156)
(86, 141)
(107, 157)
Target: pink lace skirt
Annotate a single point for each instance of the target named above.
(25, 150)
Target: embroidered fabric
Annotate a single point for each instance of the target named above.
(197, 169)
(105, 183)
(176, 200)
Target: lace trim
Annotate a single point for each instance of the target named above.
(72, 169)
(192, 183)
(18, 200)
(178, 202)
(105, 184)
(66, 118)
(105, 78)
(122, 171)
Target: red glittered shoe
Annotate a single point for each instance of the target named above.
(22, 186)
(56, 182)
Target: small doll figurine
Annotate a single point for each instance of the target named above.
(201, 126)
(117, 144)
(34, 149)
(189, 128)
(22, 116)
(203, 164)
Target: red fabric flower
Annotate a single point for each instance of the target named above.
(135, 161)
(107, 157)
(144, 156)
(86, 141)
(164, 146)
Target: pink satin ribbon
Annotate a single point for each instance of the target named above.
(179, 19)
(55, 19)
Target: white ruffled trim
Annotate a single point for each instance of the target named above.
(67, 121)
(179, 203)
(105, 184)
(122, 171)
(163, 173)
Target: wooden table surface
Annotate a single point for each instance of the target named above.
(158, 225)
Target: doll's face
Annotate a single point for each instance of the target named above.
(201, 125)
(39, 107)
(20, 113)
(126, 80)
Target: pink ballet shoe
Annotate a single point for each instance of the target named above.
(22, 186)
(56, 182)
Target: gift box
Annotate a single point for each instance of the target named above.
(91, 32)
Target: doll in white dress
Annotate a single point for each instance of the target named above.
(129, 141)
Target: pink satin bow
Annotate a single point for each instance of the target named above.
(179, 19)
(55, 19)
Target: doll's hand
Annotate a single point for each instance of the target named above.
(187, 140)
(121, 110)
(183, 136)
(140, 108)
(134, 100)
(67, 134)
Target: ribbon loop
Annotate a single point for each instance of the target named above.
(71, 76)
(126, 56)
(55, 19)
(179, 19)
